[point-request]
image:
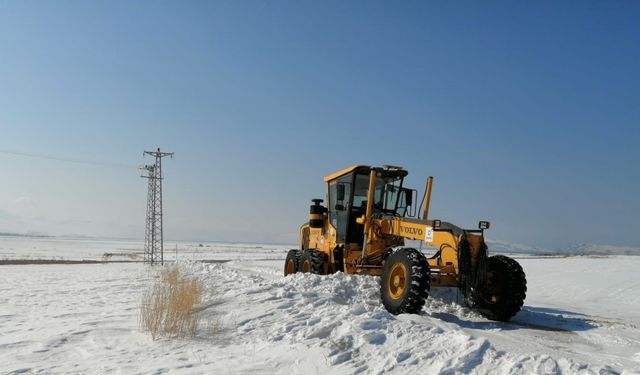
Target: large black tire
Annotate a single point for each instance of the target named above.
(404, 285)
(312, 261)
(292, 262)
(505, 289)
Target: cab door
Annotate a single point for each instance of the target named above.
(340, 195)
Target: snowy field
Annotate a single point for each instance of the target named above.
(581, 315)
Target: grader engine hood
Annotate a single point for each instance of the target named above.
(420, 230)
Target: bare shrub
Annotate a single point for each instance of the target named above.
(169, 307)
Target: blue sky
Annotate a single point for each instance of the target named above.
(526, 114)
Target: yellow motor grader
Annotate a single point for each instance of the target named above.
(363, 228)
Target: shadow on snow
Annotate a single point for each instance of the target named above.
(530, 317)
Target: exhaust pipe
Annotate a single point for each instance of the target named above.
(427, 198)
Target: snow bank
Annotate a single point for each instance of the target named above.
(341, 314)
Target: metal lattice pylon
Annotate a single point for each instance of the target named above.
(153, 237)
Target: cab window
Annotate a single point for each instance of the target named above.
(339, 208)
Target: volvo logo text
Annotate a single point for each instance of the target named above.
(410, 230)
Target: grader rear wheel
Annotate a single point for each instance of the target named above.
(292, 262)
(404, 282)
(312, 261)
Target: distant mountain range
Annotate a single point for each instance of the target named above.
(577, 249)
(33, 235)
(593, 249)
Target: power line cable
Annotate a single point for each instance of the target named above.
(68, 160)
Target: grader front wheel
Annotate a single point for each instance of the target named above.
(397, 281)
(505, 289)
(404, 284)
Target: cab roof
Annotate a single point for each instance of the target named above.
(342, 172)
(367, 168)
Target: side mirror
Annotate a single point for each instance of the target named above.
(484, 225)
(408, 197)
(340, 192)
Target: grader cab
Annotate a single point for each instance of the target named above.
(363, 228)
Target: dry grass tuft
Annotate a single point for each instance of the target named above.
(168, 308)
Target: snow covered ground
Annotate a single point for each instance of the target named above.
(76, 249)
(582, 315)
